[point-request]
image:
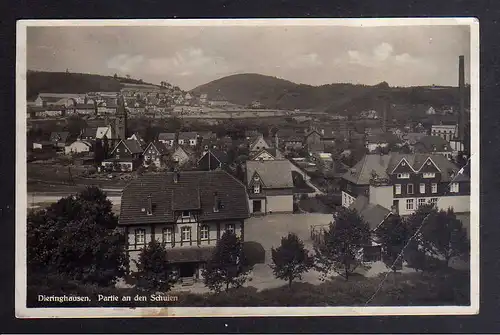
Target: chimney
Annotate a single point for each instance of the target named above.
(461, 92)
(276, 142)
(150, 206)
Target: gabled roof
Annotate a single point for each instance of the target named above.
(373, 214)
(166, 136)
(194, 189)
(272, 151)
(160, 147)
(219, 155)
(429, 144)
(257, 139)
(132, 145)
(101, 131)
(383, 165)
(274, 173)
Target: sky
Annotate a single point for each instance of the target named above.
(188, 56)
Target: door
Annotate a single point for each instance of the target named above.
(257, 206)
(187, 270)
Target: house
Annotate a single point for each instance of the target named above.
(88, 134)
(188, 138)
(402, 182)
(126, 156)
(258, 144)
(203, 98)
(375, 216)
(380, 141)
(446, 131)
(186, 211)
(207, 135)
(77, 147)
(411, 138)
(58, 99)
(252, 134)
(212, 160)
(155, 154)
(293, 142)
(167, 138)
(59, 139)
(138, 138)
(267, 154)
(84, 109)
(181, 156)
(312, 138)
(218, 101)
(433, 145)
(104, 132)
(430, 111)
(270, 186)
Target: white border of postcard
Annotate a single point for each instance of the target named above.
(109, 312)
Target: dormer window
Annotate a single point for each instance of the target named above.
(256, 188)
(186, 214)
(403, 175)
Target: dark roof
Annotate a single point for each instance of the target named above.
(432, 143)
(187, 135)
(293, 138)
(160, 147)
(383, 165)
(184, 255)
(207, 135)
(220, 155)
(166, 136)
(273, 173)
(382, 138)
(133, 145)
(89, 132)
(193, 189)
(372, 214)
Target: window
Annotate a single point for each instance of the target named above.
(434, 188)
(117, 149)
(397, 188)
(421, 202)
(185, 214)
(186, 233)
(140, 236)
(167, 235)
(256, 188)
(403, 175)
(429, 174)
(409, 204)
(204, 232)
(409, 188)
(230, 228)
(434, 201)
(422, 188)
(454, 187)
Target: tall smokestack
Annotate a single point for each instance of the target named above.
(461, 92)
(384, 116)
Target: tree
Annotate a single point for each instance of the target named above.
(343, 241)
(115, 76)
(393, 234)
(153, 270)
(227, 266)
(290, 259)
(77, 238)
(444, 236)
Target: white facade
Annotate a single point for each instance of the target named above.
(77, 147)
(459, 204)
(373, 146)
(172, 235)
(447, 132)
(347, 199)
(272, 204)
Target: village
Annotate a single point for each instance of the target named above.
(186, 188)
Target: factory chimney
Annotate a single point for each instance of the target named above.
(461, 92)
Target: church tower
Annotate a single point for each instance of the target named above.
(120, 131)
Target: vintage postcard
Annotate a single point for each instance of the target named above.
(256, 167)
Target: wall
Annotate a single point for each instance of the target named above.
(347, 199)
(381, 195)
(280, 204)
(459, 203)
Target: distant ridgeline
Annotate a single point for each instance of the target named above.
(67, 82)
(272, 92)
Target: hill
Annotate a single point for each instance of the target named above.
(67, 82)
(347, 99)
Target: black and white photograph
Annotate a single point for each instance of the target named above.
(247, 167)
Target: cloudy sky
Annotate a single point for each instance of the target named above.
(315, 55)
